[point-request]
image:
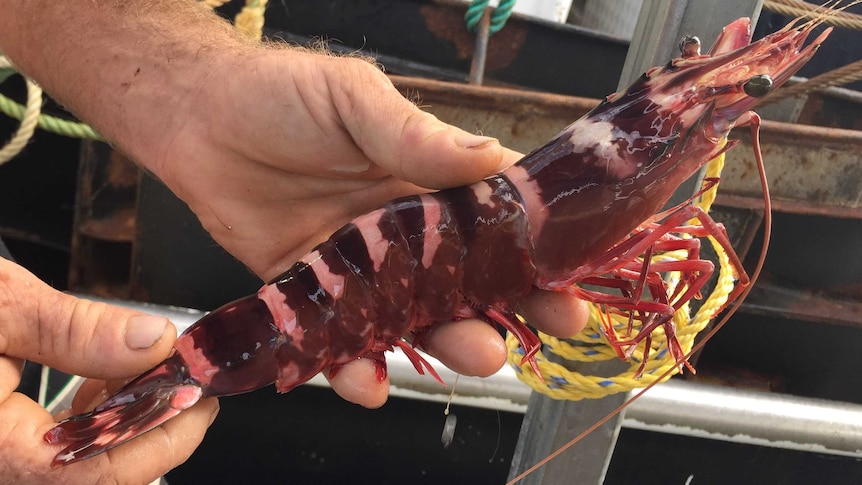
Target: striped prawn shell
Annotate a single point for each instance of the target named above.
(397, 269)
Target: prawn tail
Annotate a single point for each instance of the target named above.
(140, 406)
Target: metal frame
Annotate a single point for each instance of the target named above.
(676, 407)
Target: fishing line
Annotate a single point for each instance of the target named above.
(451, 420)
(499, 435)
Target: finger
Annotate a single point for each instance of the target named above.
(25, 456)
(142, 459)
(555, 313)
(411, 144)
(470, 347)
(23, 424)
(91, 393)
(75, 335)
(164, 448)
(358, 382)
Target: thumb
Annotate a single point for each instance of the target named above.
(75, 335)
(412, 144)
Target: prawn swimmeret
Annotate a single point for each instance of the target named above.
(581, 209)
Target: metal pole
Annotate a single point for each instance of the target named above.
(661, 24)
(548, 423)
(480, 51)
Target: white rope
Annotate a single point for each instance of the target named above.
(28, 122)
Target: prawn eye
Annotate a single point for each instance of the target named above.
(689, 46)
(758, 86)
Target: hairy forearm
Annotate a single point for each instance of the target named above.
(126, 67)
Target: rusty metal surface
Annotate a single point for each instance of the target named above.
(107, 193)
(808, 163)
(790, 206)
(445, 21)
(795, 304)
(104, 227)
(522, 120)
(813, 169)
(837, 108)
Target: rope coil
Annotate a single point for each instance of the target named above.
(29, 119)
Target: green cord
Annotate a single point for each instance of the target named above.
(498, 18)
(49, 123)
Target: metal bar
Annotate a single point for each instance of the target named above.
(480, 50)
(655, 33)
(660, 25)
(789, 206)
(814, 164)
(800, 304)
(677, 407)
(663, 22)
(549, 424)
(750, 417)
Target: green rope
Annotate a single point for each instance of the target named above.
(498, 18)
(49, 123)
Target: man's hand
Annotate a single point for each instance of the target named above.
(94, 339)
(286, 146)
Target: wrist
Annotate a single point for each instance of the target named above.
(160, 92)
(163, 101)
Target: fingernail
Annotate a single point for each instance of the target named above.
(471, 141)
(143, 331)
